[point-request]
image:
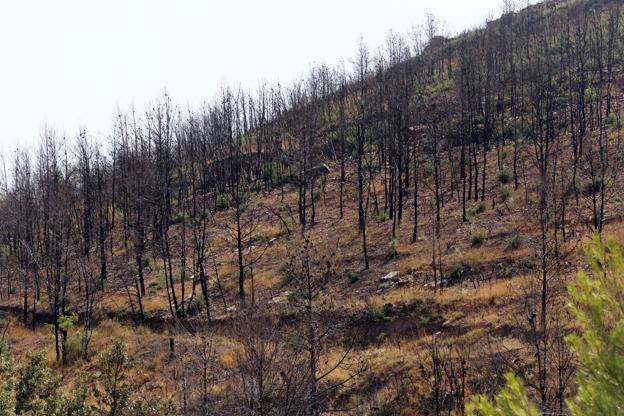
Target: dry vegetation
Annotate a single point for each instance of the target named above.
(295, 316)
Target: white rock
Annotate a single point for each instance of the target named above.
(389, 276)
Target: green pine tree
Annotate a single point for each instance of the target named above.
(511, 401)
(597, 302)
(113, 377)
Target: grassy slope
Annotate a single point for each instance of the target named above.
(479, 317)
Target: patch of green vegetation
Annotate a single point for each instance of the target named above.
(223, 202)
(145, 261)
(383, 411)
(296, 296)
(504, 176)
(428, 319)
(318, 194)
(428, 168)
(72, 348)
(377, 313)
(383, 217)
(248, 272)
(287, 270)
(158, 283)
(438, 87)
(514, 242)
(505, 193)
(476, 209)
(457, 271)
(612, 121)
(352, 275)
(478, 238)
(592, 187)
(176, 219)
(525, 263)
(151, 365)
(196, 306)
(393, 248)
(570, 188)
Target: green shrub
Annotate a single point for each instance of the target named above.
(37, 391)
(145, 261)
(393, 249)
(504, 177)
(476, 209)
(288, 272)
(77, 403)
(296, 296)
(223, 202)
(457, 271)
(611, 120)
(377, 313)
(383, 216)
(318, 195)
(478, 238)
(514, 242)
(4, 346)
(176, 219)
(383, 411)
(512, 400)
(196, 306)
(570, 188)
(155, 284)
(352, 275)
(592, 187)
(72, 348)
(505, 193)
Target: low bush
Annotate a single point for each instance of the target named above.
(505, 193)
(176, 219)
(288, 272)
(393, 249)
(223, 202)
(612, 121)
(383, 217)
(504, 177)
(514, 242)
(377, 313)
(457, 271)
(592, 187)
(196, 306)
(476, 209)
(478, 238)
(352, 275)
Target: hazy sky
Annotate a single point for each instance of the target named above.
(70, 64)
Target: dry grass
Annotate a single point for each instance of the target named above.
(471, 312)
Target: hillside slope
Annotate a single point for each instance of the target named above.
(388, 241)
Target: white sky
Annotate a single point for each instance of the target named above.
(70, 64)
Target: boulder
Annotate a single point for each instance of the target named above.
(283, 298)
(390, 276)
